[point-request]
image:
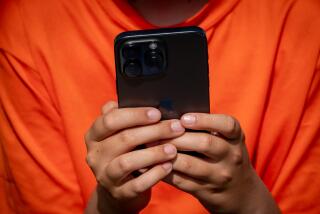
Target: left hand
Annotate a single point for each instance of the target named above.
(223, 179)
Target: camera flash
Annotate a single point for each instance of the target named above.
(153, 45)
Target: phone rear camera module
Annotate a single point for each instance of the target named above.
(143, 58)
(132, 69)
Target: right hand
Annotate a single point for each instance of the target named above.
(111, 156)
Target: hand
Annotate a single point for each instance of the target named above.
(111, 142)
(223, 178)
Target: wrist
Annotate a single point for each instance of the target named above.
(259, 200)
(105, 204)
(101, 202)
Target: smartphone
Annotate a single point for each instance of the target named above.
(163, 68)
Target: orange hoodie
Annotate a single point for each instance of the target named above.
(57, 70)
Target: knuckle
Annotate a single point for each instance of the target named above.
(137, 188)
(237, 157)
(127, 137)
(101, 179)
(186, 165)
(225, 177)
(108, 121)
(107, 107)
(124, 164)
(116, 193)
(206, 144)
(221, 149)
(91, 160)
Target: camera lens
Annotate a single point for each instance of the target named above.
(132, 69)
(154, 58)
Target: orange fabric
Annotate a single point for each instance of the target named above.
(57, 70)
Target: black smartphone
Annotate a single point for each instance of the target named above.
(163, 68)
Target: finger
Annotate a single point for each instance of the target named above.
(118, 119)
(128, 139)
(108, 107)
(213, 147)
(125, 164)
(192, 166)
(185, 183)
(145, 181)
(225, 125)
(143, 170)
(218, 174)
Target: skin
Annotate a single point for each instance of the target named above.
(110, 143)
(221, 177)
(164, 13)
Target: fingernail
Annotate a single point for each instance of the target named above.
(167, 166)
(189, 119)
(153, 114)
(170, 149)
(176, 126)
